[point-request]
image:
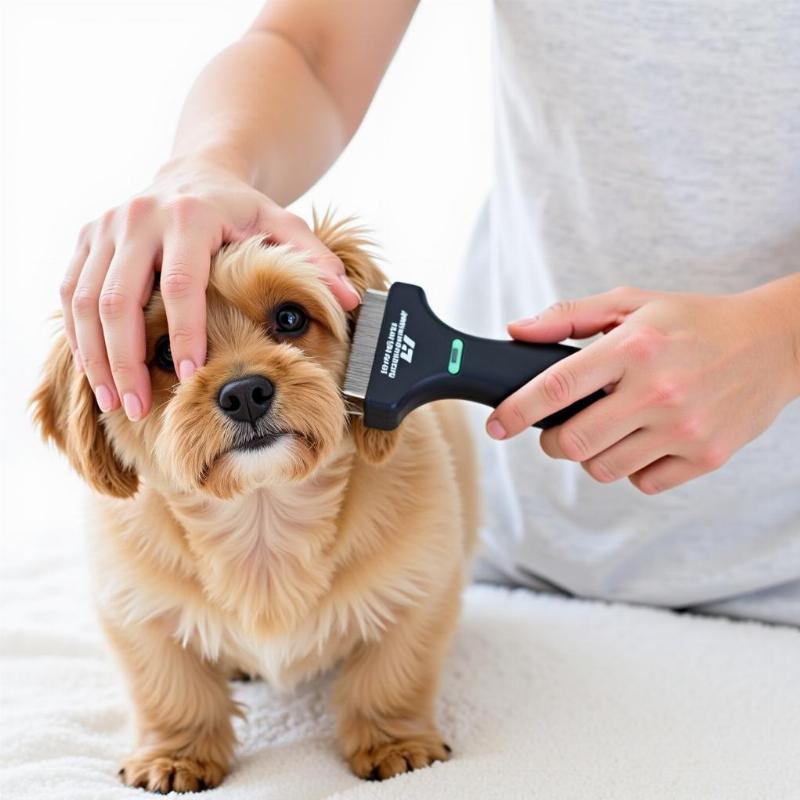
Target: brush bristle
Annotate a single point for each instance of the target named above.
(365, 343)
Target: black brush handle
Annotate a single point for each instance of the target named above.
(491, 370)
(420, 359)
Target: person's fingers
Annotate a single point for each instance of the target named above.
(287, 228)
(125, 291)
(667, 473)
(185, 267)
(88, 328)
(632, 454)
(68, 286)
(597, 428)
(673, 470)
(578, 319)
(568, 380)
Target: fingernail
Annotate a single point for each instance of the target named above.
(345, 281)
(104, 398)
(186, 369)
(524, 323)
(133, 406)
(78, 362)
(495, 429)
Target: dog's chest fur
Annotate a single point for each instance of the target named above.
(271, 594)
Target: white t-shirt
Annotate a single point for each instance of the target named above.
(655, 145)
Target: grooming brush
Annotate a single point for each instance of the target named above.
(404, 356)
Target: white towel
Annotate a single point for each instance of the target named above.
(541, 698)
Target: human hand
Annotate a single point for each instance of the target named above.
(690, 379)
(177, 224)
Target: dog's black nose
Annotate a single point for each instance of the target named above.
(246, 399)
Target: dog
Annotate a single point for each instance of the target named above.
(250, 524)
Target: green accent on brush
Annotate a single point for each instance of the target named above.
(456, 351)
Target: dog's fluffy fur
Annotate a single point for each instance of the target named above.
(335, 545)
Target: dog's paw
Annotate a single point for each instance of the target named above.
(403, 755)
(164, 773)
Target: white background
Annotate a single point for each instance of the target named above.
(90, 97)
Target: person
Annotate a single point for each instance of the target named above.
(654, 148)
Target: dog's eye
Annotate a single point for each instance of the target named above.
(290, 320)
(163, 356)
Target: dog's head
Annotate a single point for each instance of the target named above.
(265, 408)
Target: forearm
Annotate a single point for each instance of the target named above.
(278, 106)
(258, 110)
(780, 308)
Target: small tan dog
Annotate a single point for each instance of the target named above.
(248, 524)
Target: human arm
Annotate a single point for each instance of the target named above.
(691, 379)
(261, 124)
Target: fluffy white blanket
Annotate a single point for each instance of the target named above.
(541, 698)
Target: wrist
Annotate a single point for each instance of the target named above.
(212, 158)
(778, 305)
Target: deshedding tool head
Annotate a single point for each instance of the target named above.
(365, 345)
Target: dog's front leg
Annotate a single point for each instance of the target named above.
(386, 690)
(183, 711)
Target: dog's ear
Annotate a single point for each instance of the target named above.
(65, 412)
(350, 242)
(373, 445)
